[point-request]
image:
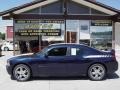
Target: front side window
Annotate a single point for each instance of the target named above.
(43, 51)
(58, 51)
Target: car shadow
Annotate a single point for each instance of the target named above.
(59, 78)
(113, 76)
(110, 76)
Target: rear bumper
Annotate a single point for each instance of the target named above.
(112, 66)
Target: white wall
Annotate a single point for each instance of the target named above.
(117, 38)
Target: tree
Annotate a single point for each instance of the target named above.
(2, 36)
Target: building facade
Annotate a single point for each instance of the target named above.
(44, 22)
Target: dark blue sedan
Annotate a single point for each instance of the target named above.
(64, 60)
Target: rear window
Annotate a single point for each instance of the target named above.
(75, 51)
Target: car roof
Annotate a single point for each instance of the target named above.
(72, 45)
(68, 44)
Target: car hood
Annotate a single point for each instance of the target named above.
(20, 57)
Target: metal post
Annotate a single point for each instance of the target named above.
(65, 37)
(65, 17)
(113, 35)
(14, 37)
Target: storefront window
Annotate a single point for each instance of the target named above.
(34, 35)
(57, 37)
(101, 35)
(84, 37)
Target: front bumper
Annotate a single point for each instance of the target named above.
(9, 69)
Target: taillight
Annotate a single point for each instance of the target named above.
(113, 54)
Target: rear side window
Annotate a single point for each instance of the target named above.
(75, 51)
(61, 51)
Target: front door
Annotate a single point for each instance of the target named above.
(56, 61)
(76, 65)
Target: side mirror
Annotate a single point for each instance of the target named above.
(46, 55)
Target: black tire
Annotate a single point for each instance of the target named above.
(21, 72)
(97, 72)
(6, 49)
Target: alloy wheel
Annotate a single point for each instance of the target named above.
(21, 72)
(97, 72)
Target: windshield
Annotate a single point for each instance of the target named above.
(43, 51)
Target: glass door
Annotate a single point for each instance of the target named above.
(71, 37)
(72, 29)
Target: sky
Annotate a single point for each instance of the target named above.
(7, 4)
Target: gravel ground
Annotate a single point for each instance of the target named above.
(81, 83)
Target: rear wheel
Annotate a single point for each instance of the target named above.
(97, 72)
(21, 72)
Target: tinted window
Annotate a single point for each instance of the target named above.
(75, 51)
(58, 51)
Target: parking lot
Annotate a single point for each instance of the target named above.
(75, 83)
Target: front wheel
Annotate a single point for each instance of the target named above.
(96, 72)
(21, 72)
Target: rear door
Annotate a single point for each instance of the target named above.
(76, 65)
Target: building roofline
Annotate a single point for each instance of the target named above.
(104, 5)
(21, 7)
(39, 1)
